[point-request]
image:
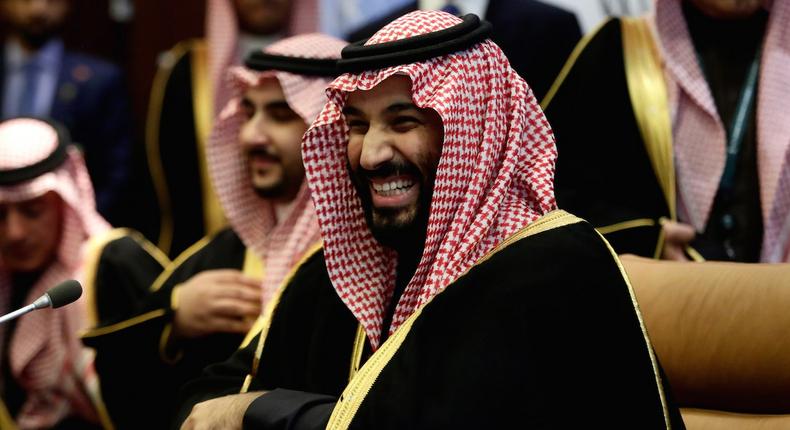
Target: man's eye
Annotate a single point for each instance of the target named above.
(283, 114)
(32, 210)
(247, 110)
(356, 126)
(405, 123)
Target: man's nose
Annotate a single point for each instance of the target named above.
(377, 148)
(254, 133)
(15, 226)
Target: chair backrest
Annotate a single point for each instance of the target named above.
(722, 334)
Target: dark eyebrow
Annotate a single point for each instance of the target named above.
(351, 110)
(278, 104)
(398, 107)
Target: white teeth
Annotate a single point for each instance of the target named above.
(393, 187)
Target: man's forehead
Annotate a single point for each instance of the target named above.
(394, 89)
(269, 89)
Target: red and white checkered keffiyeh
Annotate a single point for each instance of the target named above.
(280, 245)
(46, 356)
(699, 135)
(494, 177)
(222, 34)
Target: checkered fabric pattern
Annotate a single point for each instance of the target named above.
(699, 135)
(46, 356)
(280, 245)
(494, 177)
(222, 34)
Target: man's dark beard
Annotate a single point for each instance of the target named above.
(265, 192)
(409, 236)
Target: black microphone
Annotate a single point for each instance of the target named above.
(60, 295)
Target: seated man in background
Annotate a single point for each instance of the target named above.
(450, 291)
(672, 132)
(47, 214)
(199, 309)
(189, 91)
(40, 77)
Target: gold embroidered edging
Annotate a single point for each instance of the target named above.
(93, 254)
(356, 354)
(648, 93)
(569, 63)
(253, 265)
(164, 339)
(153, 120)
(203, 107)
(101, 331)
(694, 254)
(363, 381)
(649, 345)
(184, 256)
(625, 225)
(6, 422)
(101, 408)
(268, 315)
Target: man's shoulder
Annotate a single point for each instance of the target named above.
(222, 250)
(88, 68)
(554, 250)
(310, 274)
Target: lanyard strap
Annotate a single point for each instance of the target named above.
(737, 129)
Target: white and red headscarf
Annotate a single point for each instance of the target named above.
(280, 244)
(46, 356)
(222, 34)
(699, 135)
(494, 177)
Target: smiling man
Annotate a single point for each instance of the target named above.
(450, 291)
(202, 305)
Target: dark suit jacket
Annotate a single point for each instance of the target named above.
(537, 38)
(92, 102)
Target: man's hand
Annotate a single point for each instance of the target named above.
(677, 236)
(216, 301)
(221, 413)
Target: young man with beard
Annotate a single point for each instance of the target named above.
(189, 91)
(450, 291)
(40, 77)
(47, 216)
(200, 308)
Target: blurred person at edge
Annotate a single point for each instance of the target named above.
(40, 77)
(201, 307)
(46, 217)
(189, 90)
(700, 159)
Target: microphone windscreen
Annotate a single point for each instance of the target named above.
(64, 293)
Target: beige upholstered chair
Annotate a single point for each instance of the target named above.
(722, 334)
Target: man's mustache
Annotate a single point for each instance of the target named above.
(389, 169)
(262, 152)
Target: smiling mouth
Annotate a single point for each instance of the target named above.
(392, 188)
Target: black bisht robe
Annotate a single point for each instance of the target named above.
(139, 379)
(542, 334)
(604, 173)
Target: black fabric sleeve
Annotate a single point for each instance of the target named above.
(604, 174)
(282, 409)
(217, 380)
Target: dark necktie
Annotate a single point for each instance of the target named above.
(28, 100)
